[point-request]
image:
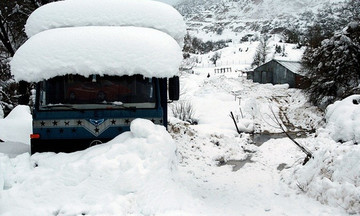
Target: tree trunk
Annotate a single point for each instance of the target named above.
(4, 37)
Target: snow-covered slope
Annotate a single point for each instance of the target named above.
(220, 18)
(252, 9)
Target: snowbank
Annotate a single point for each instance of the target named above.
(131, 175)
(97, 50)
(19, 119)
(343, 119)
(141, 13)
(332, 177)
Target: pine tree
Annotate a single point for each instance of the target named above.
(261, 52)
(334, 67)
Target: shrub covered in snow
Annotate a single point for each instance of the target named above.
(184, 111)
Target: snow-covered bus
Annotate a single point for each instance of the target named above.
(97, 66)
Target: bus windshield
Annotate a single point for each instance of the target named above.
(97, 92)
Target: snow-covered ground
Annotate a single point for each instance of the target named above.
(241, 55)
(203, 169)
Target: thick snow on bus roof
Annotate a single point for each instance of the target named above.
(97, 50)
(140, 13)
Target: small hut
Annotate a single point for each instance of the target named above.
(280, 72)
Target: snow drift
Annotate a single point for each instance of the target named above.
(132, 174)
(140, 13)
(97, 50)
(343, 119)
(333, 176)
(19, 119)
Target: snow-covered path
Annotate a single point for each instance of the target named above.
(256, 188)
(224, 169)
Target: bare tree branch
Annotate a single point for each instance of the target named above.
(308, 153)
(4, 37)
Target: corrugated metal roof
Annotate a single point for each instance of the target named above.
(293, 66)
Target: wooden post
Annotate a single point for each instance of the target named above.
(232, 116)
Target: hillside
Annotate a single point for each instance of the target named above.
(232, 19)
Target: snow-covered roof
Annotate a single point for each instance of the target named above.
(97, 50)
(140, 13)
(293, 66)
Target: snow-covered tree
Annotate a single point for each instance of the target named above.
(352, 10)
(215, 57)
(334, 66)
(261, 52)
(291, 35)
(13, 16)
(197, 46)
(328, 20)
(278, 49)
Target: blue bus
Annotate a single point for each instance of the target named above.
(74, 112)
(97, 70)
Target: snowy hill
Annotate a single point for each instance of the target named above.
(231, 18)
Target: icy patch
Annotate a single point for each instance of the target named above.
(75, 13)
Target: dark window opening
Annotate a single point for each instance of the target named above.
(95, 92)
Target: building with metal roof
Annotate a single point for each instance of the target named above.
(280, 72)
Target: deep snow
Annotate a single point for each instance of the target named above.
(343, 119)
(106, 50)
(148, 172)
(116, 37)
(204, 169)
(208, 169)
(139, 13)
(18, 120)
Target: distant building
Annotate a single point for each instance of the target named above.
(280, 72)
